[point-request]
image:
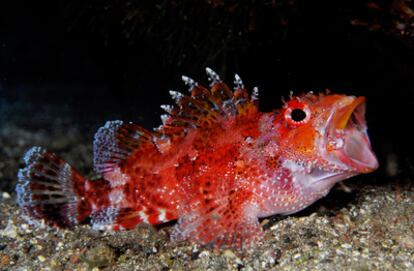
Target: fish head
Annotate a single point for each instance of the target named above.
(323, 139)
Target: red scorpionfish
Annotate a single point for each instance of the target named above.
(216, 164)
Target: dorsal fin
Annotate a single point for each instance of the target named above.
(205, 107)
(113, 144)
(116, 140)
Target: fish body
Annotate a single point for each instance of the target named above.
(216, 165)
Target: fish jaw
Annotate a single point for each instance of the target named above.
(310, 184)
(346, 138)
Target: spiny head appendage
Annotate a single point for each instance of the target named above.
(189, 82)
(291, 95)
(212, 76)
(238, 83)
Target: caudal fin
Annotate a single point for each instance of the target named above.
(49, 188)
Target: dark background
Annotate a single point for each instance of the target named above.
(102, 60)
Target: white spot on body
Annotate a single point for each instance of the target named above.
(161, 215)
(87, 186)
(116, 196)
(292, 166)
(94, 207)
(117, 177)
(336, 143)
(143, 216)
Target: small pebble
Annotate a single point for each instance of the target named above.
(4, 260)
(229, 254)
(407, 242)
(205, 254)
(5, 195)
(59, 246)
(10, 230)
(99, 256)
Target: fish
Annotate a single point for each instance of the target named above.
(216, 165)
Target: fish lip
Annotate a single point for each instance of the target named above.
(320, 180)
(328, 177)
(324, 175)
(349, 123)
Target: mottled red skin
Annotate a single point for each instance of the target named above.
(214, 167)
(196, 172)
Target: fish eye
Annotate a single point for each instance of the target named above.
(298, 114)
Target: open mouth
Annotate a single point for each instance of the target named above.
(356, 152)
(352, 115)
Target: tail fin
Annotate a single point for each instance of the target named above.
(48, 188)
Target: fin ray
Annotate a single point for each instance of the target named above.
(48, 188)
(220, 227)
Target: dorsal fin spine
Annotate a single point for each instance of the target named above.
(189, 82)
(167, 108)
(176, 95)
(164, 118)
(255, 94)
(238, 83)
(213, 76)
(205, 107)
